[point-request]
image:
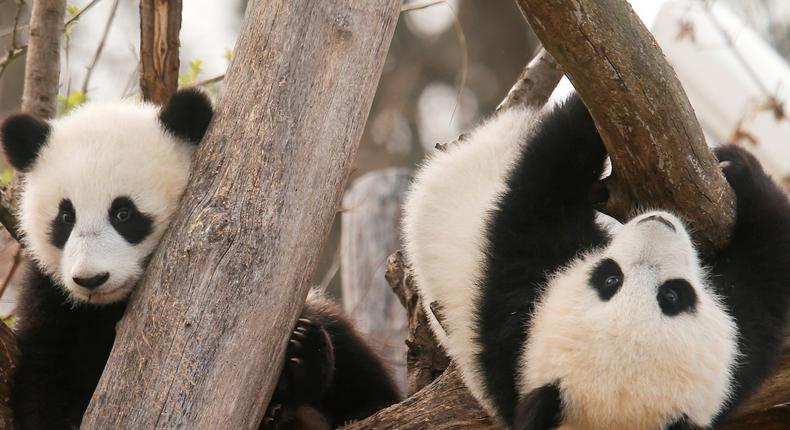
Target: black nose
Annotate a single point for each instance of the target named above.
(660, 219)
(92, 282)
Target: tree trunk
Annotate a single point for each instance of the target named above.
(160, 23)
(369, 234)
(42, 67)
(202, 342)
(659, 154)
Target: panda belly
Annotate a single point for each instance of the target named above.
(617, 368)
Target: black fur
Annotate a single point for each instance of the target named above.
(541, 409)
(329, 369)
(543, 222)
(23, 135)
(546, 219)
(60, 227)
(64, 348)
(187, 115)
(133, 225)
(752, 272)
(607, 278)
(676, 296)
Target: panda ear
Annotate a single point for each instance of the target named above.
(23, 135)
(187, 115)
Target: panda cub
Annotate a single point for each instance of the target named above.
(556, 323)
(100, 187)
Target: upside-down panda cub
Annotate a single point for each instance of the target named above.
(99, 189)
(554, 321)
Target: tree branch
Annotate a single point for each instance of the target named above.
(535, 83)
(641, 111)
(160, 23)
(100, 47)
(204, 336)
(42, 69)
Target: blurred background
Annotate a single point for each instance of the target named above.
(449, 65)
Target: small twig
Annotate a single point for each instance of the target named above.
(15, 50)
(208, 81)
(78, 14)
(100, 47)
(331, 272)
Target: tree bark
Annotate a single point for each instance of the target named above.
(160, 23)
(9, 359)
(370, 223)
(535, 83)
(659, 154)
(42, 66)
(202, 342)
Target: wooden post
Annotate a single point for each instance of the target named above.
(160, 23)
(370, 225)
(202, 342)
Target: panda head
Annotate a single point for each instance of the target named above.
(100, 186)
(636, 324)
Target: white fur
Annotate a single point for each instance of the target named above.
(622, 363)
(445, 216)
(622, 354)
(92, 156)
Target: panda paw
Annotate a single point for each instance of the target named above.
(740, 168)
(306, 375)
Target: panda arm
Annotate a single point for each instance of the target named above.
(753, 269)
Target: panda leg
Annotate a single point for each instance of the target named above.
(541, 409)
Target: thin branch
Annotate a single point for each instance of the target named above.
(535, 83)
(100, 47)
(15, 50)
(208, 81)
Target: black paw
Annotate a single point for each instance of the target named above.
(740, 168)
(574, 138)
(306, 375)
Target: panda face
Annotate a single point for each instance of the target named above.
(99, 191)
(635, 325)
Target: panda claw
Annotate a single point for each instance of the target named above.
(295, 361)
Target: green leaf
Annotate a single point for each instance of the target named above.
(7, 177)
(68, 102)
(8, 320)
(195, 67)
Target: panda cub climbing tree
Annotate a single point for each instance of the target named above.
(556, 322)
(100, 187)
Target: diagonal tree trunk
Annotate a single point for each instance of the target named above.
(203, 338)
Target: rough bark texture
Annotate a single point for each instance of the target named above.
(535, 83)
(444, 405)
(370, 226)
(659, 154)
(425, 360)
(9, 357)
(160, 22)
(202, 342)
(42, 67)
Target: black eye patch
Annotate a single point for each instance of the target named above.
(133, 225)
(60, 227)
(676, 296)
(606, 278)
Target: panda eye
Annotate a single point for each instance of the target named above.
(676, 296)
(606, 279)
(123, 214)
(66, 217)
